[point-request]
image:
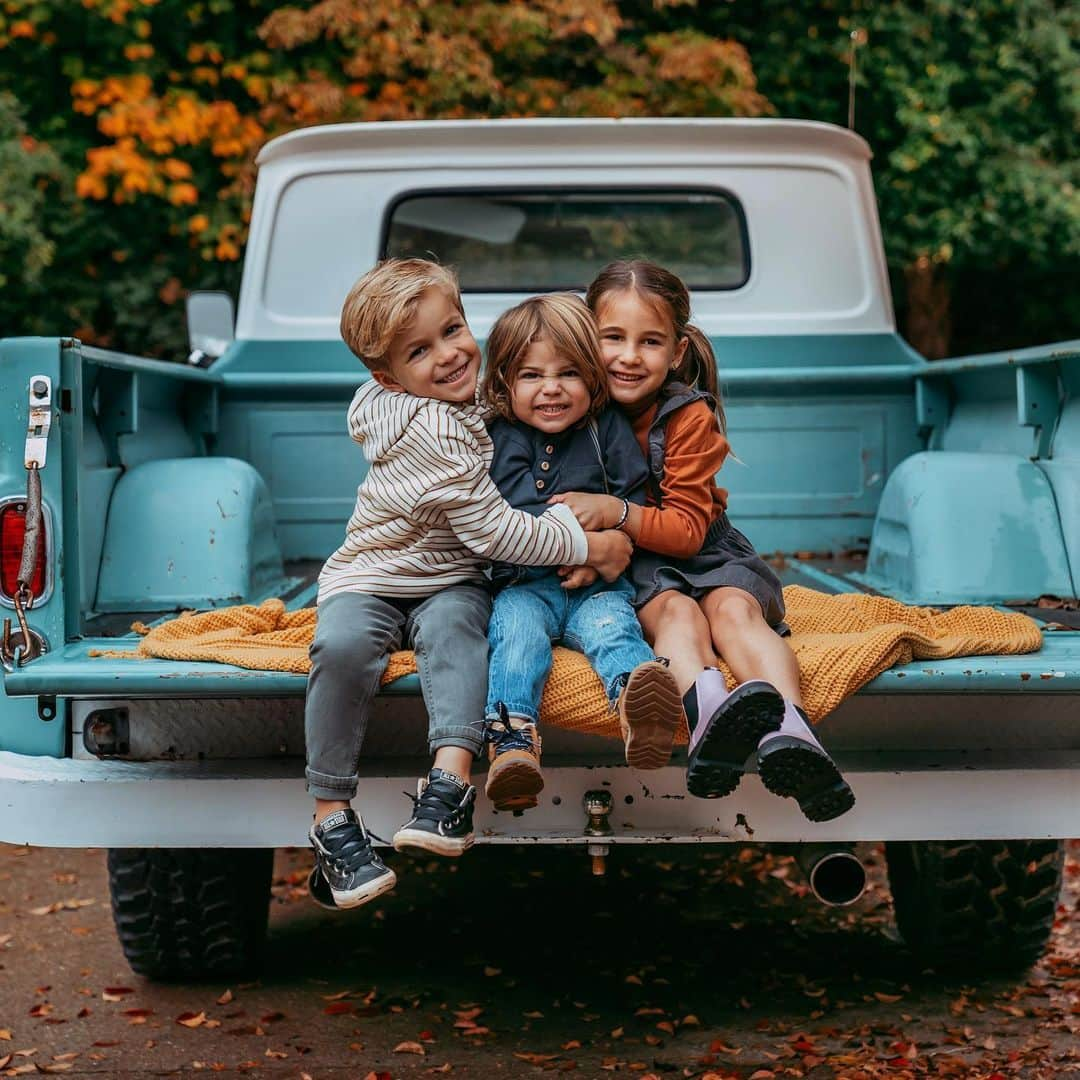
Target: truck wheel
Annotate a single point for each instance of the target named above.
(191, 914)
(976, 904)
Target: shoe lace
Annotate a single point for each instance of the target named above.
(353, 851)
(438, 801)
(503, 736)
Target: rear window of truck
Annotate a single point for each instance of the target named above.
(534, 241)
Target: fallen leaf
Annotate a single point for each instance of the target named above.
(275, 1053)
(573, 1044)
(491, 971)
(534, 1059)
(61, 905)
(192, 1020)
(5, 1034)
(225, 998)
(338, 1008)
(43, 1008)
(888, 999)
(409, 1048)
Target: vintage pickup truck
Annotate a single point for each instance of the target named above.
(167, 486)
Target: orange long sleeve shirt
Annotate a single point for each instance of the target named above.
(694, 450)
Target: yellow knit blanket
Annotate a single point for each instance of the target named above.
(842, 642)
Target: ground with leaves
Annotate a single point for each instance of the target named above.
(710, 964)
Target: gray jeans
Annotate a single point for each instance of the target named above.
(354, 636)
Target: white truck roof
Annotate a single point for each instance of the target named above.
(805, 190)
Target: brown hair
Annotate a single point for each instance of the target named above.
(383, 302)
(559, 318)
(665, 291)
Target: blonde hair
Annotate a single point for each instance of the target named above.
(667, 293)
(561, 319)
(383, 302)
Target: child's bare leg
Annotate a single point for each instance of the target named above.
(748, 645)
(677, 629)
(325, 807)
(454, 759)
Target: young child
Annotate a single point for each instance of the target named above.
(410, 573)
(546, 382)
(702, 591)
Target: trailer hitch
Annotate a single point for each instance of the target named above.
(598, 805)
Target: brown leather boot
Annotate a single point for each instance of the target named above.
(514, 776)
(650, 712)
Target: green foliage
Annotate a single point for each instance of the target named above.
(973, 113)
(27, 170)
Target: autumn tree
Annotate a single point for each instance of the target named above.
(137, 156)
(168, 102)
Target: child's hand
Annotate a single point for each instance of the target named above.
(609, 552)
(592, 511)
(577, 577)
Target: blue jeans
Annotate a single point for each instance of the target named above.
(527, 619)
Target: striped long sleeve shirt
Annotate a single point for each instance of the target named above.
(427, 513)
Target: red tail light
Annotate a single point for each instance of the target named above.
(12, 530)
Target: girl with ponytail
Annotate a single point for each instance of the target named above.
(702, 592)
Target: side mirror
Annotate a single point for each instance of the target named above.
(210, 321)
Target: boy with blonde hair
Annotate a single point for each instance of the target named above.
(410, 573)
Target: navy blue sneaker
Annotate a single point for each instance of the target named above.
(347, 871)
(441, 823)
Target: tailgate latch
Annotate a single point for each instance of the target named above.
(39, 422)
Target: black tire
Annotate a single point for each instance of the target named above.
(191, 914)
(980, 905)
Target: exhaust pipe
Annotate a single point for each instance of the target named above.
(834, 873)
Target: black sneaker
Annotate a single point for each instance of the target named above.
(347, 871)
(442, 817)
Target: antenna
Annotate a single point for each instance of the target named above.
(858, 37)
